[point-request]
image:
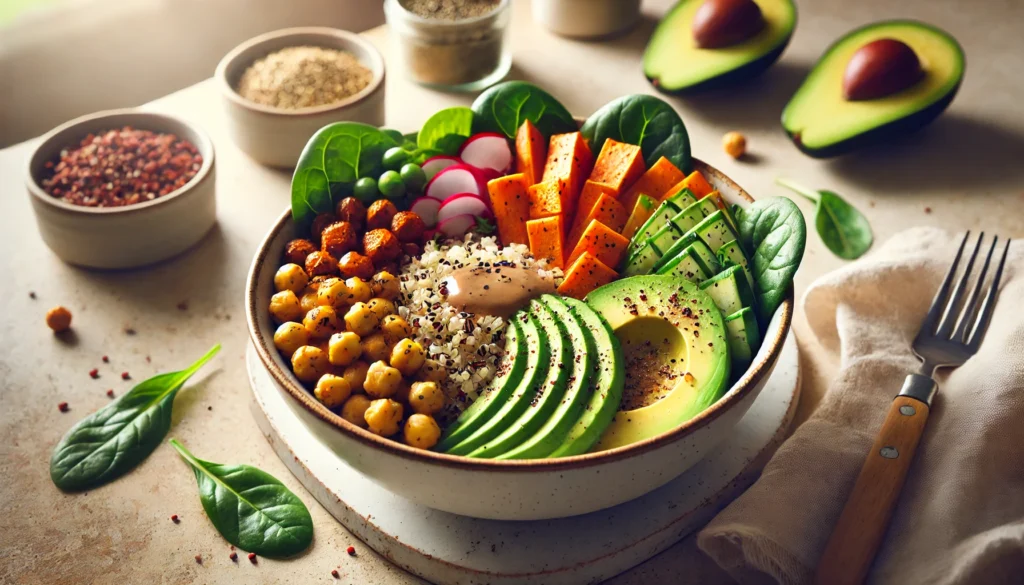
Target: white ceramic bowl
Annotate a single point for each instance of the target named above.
(276, 136)
(513, 490)
(133, 235)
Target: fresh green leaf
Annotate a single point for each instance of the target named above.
(843, 229)
(111, 441)
(773, 229)
(483, 226)
(646, 121)
(333, 159)
(446, 130)
(395, 135)
(504, 107)
(251, 508)
(409, 141)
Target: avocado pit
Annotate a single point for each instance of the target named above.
(722, 23)
(881, 68)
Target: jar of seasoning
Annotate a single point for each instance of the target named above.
(455, 45)
(587, 19)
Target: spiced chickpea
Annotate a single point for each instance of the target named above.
(339, 238)
(316, 281)
(321, 263)
(296, 251)
(359, 291)
(395, 328)
(289, 337)
(309, 363)
(332, 391)
(407, 356)
(421, 431)
(425, 397)
(381, 380)
(344, 348)
(319, 223)
(386, 285)
(321, 322)
(408, 226)
(354, 409)
(332, 293)
(381, 307)
(381, 246)
(353, 211)
(361, 320)
(355, 265)
(284, 306)
(380, 214)
(291, 277)
(355, 373)
(308, 300)
(59, 318)
(383, 417)
(376, 347)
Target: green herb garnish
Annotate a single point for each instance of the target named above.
(843, 229)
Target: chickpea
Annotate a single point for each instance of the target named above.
(296, 251)
(354, 410)
(322, 322)
(344, 348)
(356, 374)
(381, 246)
(355, 264)
(381, 380)
(408, 226)
(332, 390)
(309, 363)
(332, 293)
(59, 319)
(407, 356)
(381, 307)
(284, 306)
(358, 290)
(395, 328)
(361, 320)
(321, 264)
(339, 238)
(376, 347)
(383, 417)
(380, 214)
(308, 301)
(433, 371)
(291, 277)
(353, 211)
(386, 285)
(289, 337)
(421, 431)
(735, 144)
(425, 397)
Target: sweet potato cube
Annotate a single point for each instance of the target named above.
(531, 152)
(569, 159)
(657, 182)
(547, 239)
(606, 210)
(511, 205)
(547, 199)
(618, 165)
(606, 244)
(696, 183)
(584, 275)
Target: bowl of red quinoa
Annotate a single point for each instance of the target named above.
(122, 188)
(279, 88)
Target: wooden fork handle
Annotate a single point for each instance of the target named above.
(862, 524)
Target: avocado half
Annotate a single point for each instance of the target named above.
(822, 123)
(674, 63)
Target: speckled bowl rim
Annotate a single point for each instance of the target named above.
(376, 66)
(204, 146)
(746, 384)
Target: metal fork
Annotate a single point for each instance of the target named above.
(950, 334)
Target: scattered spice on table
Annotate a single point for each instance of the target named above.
(58, 319)
(183, 306)
(234, 557)
(199, 559)
(110, 393)
(106, 359)
(94, 373)
(122, 167)
(449, 9)
(334, 573)
(32, 294)
(125, 376)
(303, 77)
(174, 518)
(129, 331)
(252, 558)
(351, 551)
(927, 209)
(63, 407)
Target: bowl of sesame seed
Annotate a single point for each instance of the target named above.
(279, 88)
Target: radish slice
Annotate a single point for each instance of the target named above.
(463, 204)
(436, 164)
(456, 179)
(426, 208)
(457, 226)
(487, 150)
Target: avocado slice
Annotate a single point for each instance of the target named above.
(823, 123)
(643, 209)
(744, 339)
(732, 254)
(661, 216)
(695, 263)
(677, 356)
(729, 290)
(578, 388)
(642, 261)
(674, 63)
(713, 230)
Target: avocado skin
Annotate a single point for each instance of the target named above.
(729, 78)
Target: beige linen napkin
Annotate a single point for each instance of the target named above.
(960, 519)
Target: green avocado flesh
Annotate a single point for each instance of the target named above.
(674, 63)
(675, 349)
(823, 123)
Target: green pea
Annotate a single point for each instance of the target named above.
(391, 185)
(413, 177)
(365, 189)
(394, 158)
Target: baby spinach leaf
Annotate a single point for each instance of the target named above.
(111, 441)
(504, 107)
(333, 159)
(251, 508)
(774, 232)
(646, 121)
(843, 229)
(446, 130)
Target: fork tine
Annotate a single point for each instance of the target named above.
(931, 321)
(970, 309)
(953, 306)
(990, 303)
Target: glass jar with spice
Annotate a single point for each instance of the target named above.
(451, 44)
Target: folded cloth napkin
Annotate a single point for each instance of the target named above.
(960, 518)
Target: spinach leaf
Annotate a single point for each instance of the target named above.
(504, 107)
(111, 441)
(773, 230)
(646, 121)
(251, 508)
(332, 160)
(843, 229)
(446, 130)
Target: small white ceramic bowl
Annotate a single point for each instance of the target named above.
(512, 490)
(276, 136)
(133, 235)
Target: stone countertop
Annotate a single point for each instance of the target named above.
(963, 172)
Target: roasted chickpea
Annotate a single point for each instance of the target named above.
(734, 144)
(380, 214)
(296, 251)
(319, 223)
(358, 290)
(381, 307)
(408, 226)
(356, 374)
(355, 265)
(284, 306)
(321, 264)
(381, 380)
(386, 285)
(407, 356)
(339, 238)
(381, 246)
(353, 211)
(354, 410)
(376, 347)
(425, 397)
(289, 337)
(59, 318)
(291, 277)
(361, 320)
(332, 293)
(344, 348)
(308, 301)
(321, 322)
(395, 328)
(383, 417)
(332, 390)
(421, 431)
(432, 371)
(309, 363)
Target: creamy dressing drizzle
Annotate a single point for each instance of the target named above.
(493, 290)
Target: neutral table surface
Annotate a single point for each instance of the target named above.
(965, 171)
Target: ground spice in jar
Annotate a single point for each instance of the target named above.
(304, 77)
(449, 9)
